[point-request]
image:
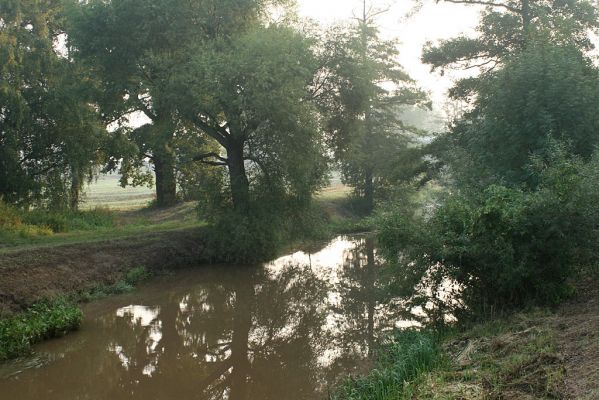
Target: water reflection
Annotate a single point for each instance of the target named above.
(285, 330)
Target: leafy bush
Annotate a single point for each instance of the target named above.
(43, 320)
(11, 224)
(271, 220)
(408, 354)
(504, 246)
(244, 237)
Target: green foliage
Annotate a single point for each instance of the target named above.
(408, 355)
(259, 234)
(65, 221)
(363, 120)
(235, 236)
(51, 135)
(126, 284)
(247, 93)
(42, 321)
(12, 224)
(136, 275)
(504, 246)
(507, 30)
(546, 93)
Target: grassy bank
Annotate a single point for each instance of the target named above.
(38, 229)
(514, 358)
(58, 316)
(402, 359)
(537, 354)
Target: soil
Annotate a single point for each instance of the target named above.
(31, 275)
(577, 336)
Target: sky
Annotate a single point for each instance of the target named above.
(431, 22)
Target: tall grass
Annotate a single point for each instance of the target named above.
(65, 221)
(403, 359)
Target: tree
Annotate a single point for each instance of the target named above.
(125, 59)
(50, 135)
(507, 28)
(250, 94)
(545, 94)
(367, 87)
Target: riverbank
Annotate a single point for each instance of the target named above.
(537, 354)
(38, 273)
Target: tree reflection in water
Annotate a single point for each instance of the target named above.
(286, 330)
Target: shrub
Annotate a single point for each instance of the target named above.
(504, 246)
(244, 237)
(9, 216)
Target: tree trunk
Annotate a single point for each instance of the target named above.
(75, 189)
(240, 187)
(166, 184)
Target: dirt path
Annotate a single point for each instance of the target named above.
(27, 276)
(577, 337)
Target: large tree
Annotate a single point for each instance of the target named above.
(367, 88)
(547, 93)
(122, 39)
(532, 85)
(250, 94)
(50, 136)
(506, 28)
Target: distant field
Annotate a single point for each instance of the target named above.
(106, 192)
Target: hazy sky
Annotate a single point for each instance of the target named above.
(432, 22)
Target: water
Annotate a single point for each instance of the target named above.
(289, 329)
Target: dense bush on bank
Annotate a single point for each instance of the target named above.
(504, 246)
(41, 222)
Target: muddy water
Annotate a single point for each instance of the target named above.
(288, 329)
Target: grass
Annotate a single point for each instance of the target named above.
(98, 225)
(42, 321)
(130, 279)
(404, 359)
(107, 192)
(513, 358)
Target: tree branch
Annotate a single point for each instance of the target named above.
(486, 3)
(216, 133)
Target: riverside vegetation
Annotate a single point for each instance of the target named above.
(488, 224)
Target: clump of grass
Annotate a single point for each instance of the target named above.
(407, 356)
(130, 279)
(42, 321)
(136, 275)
